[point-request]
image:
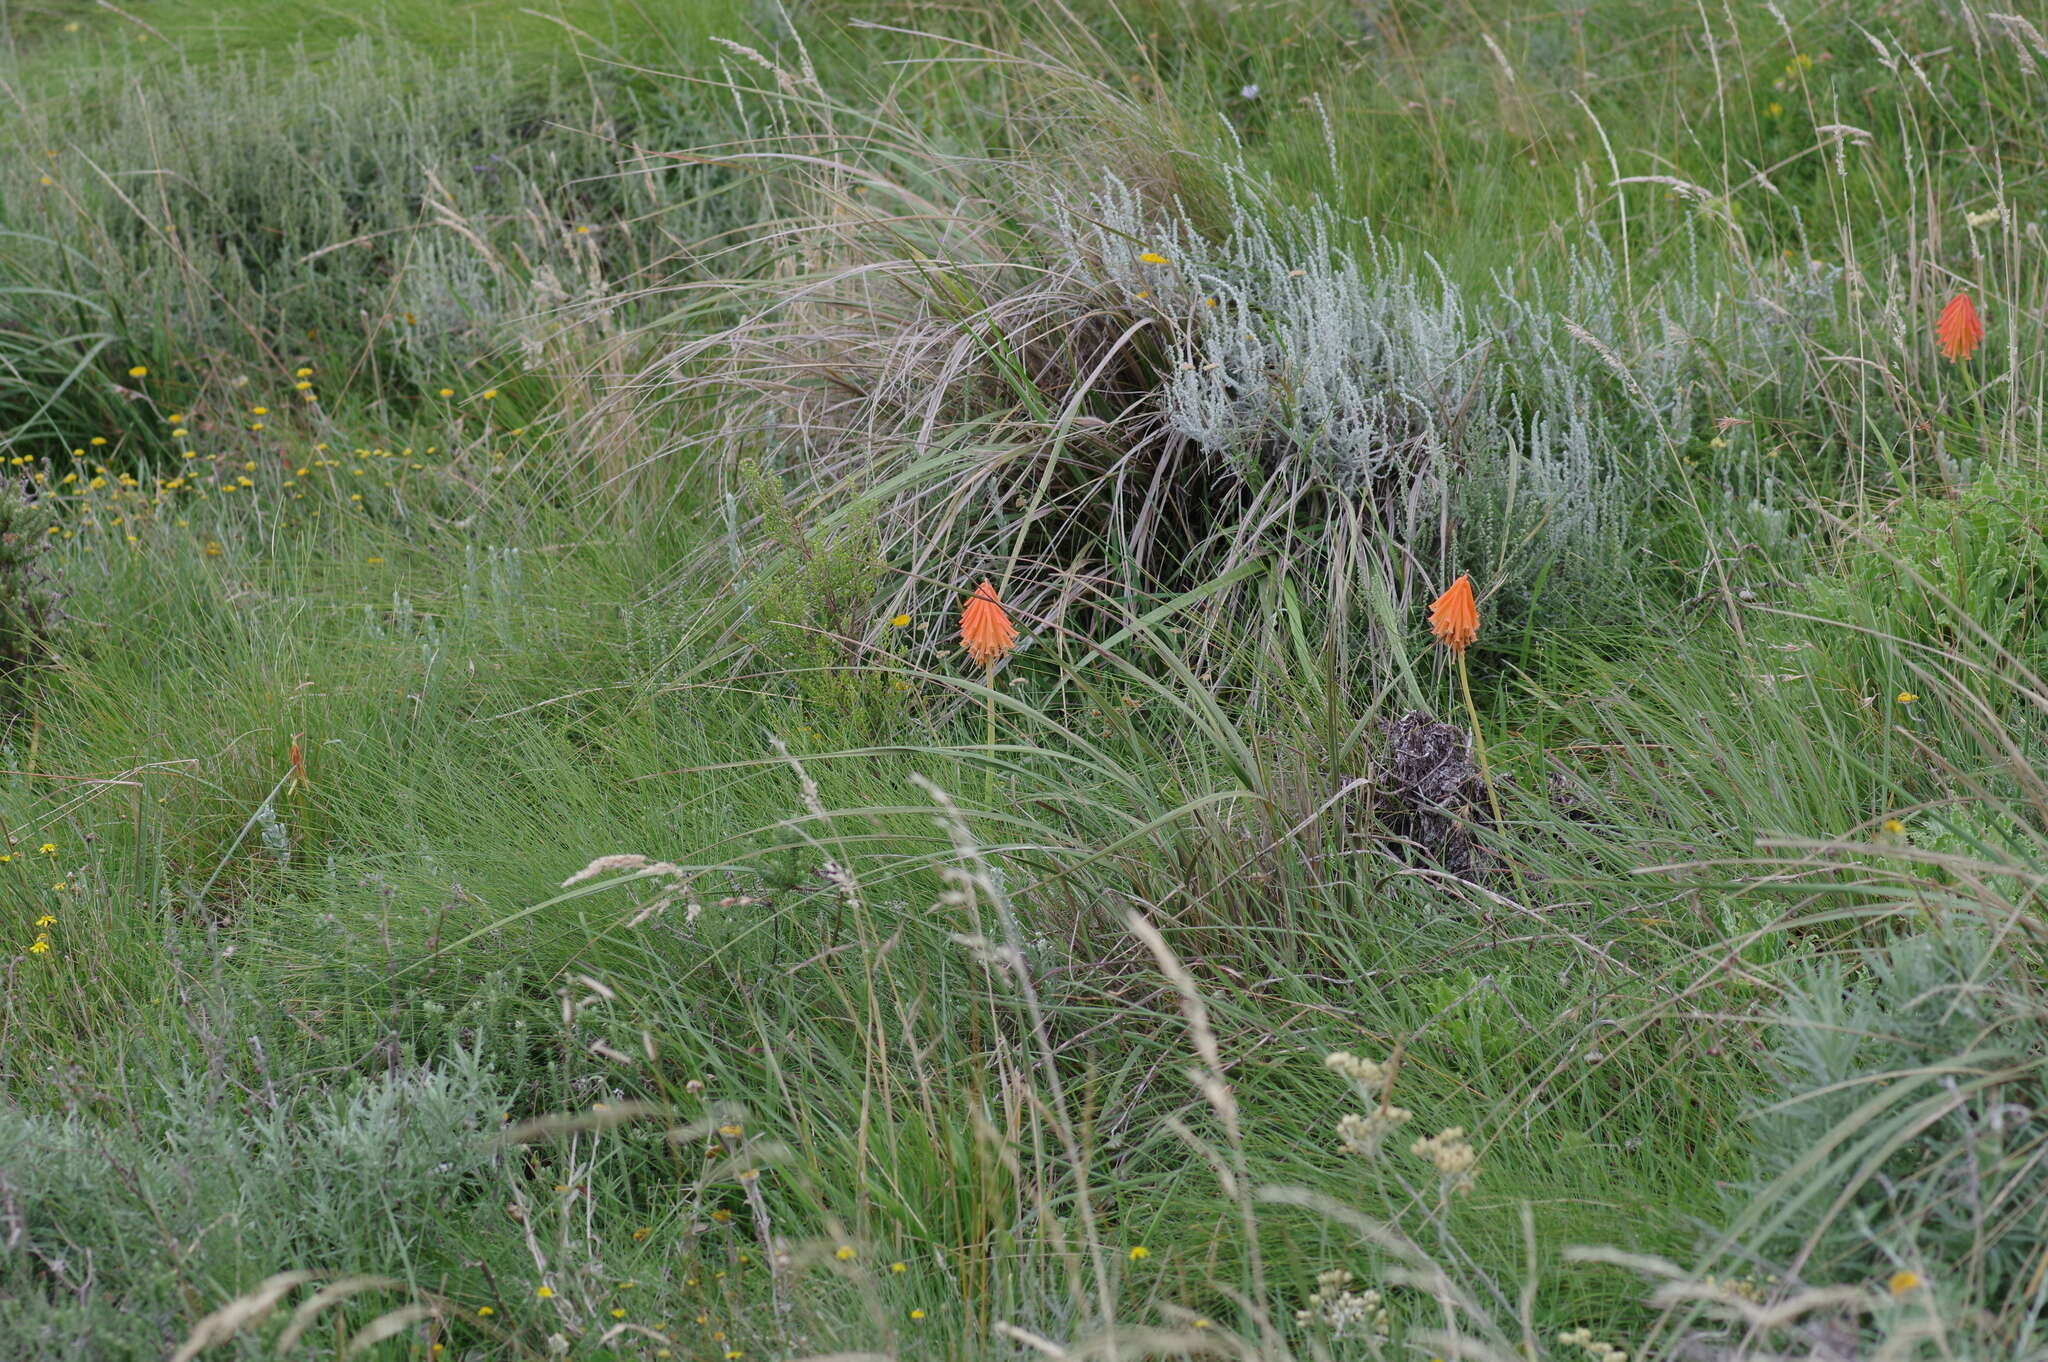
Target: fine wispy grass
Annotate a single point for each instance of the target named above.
(505, 856)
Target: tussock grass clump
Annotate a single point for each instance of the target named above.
(1067, 378)
(1079, 389)
(426, 236)
(275, 188)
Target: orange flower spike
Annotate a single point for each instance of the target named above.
(985, 628)
(1454, 619)
(1959, 329)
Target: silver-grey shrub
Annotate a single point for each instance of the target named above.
(1081, 384)
(1315, 353)
(1909, 1131)
(123, 1229)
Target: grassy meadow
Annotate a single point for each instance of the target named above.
(506, 855)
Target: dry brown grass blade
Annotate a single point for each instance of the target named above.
(607, 1117)
(228, 1321)
(331, 1294)
(389, 1325)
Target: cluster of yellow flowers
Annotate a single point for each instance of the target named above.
(130, 500)
(41, 944)
(93, 496)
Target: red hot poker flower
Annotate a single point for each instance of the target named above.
(1959, 329)
(1454, 619)
(985, 627)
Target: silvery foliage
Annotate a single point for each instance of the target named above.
(1918, 1066)
(1663, 351)
(1305, 358)
(223, 1186)
(1588, 335)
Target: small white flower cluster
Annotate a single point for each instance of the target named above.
(1455, 1159)
(1363, 1135)
(1749, 1288)
(1366, 1073)
(1597, 1350)
(1335, 1304)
